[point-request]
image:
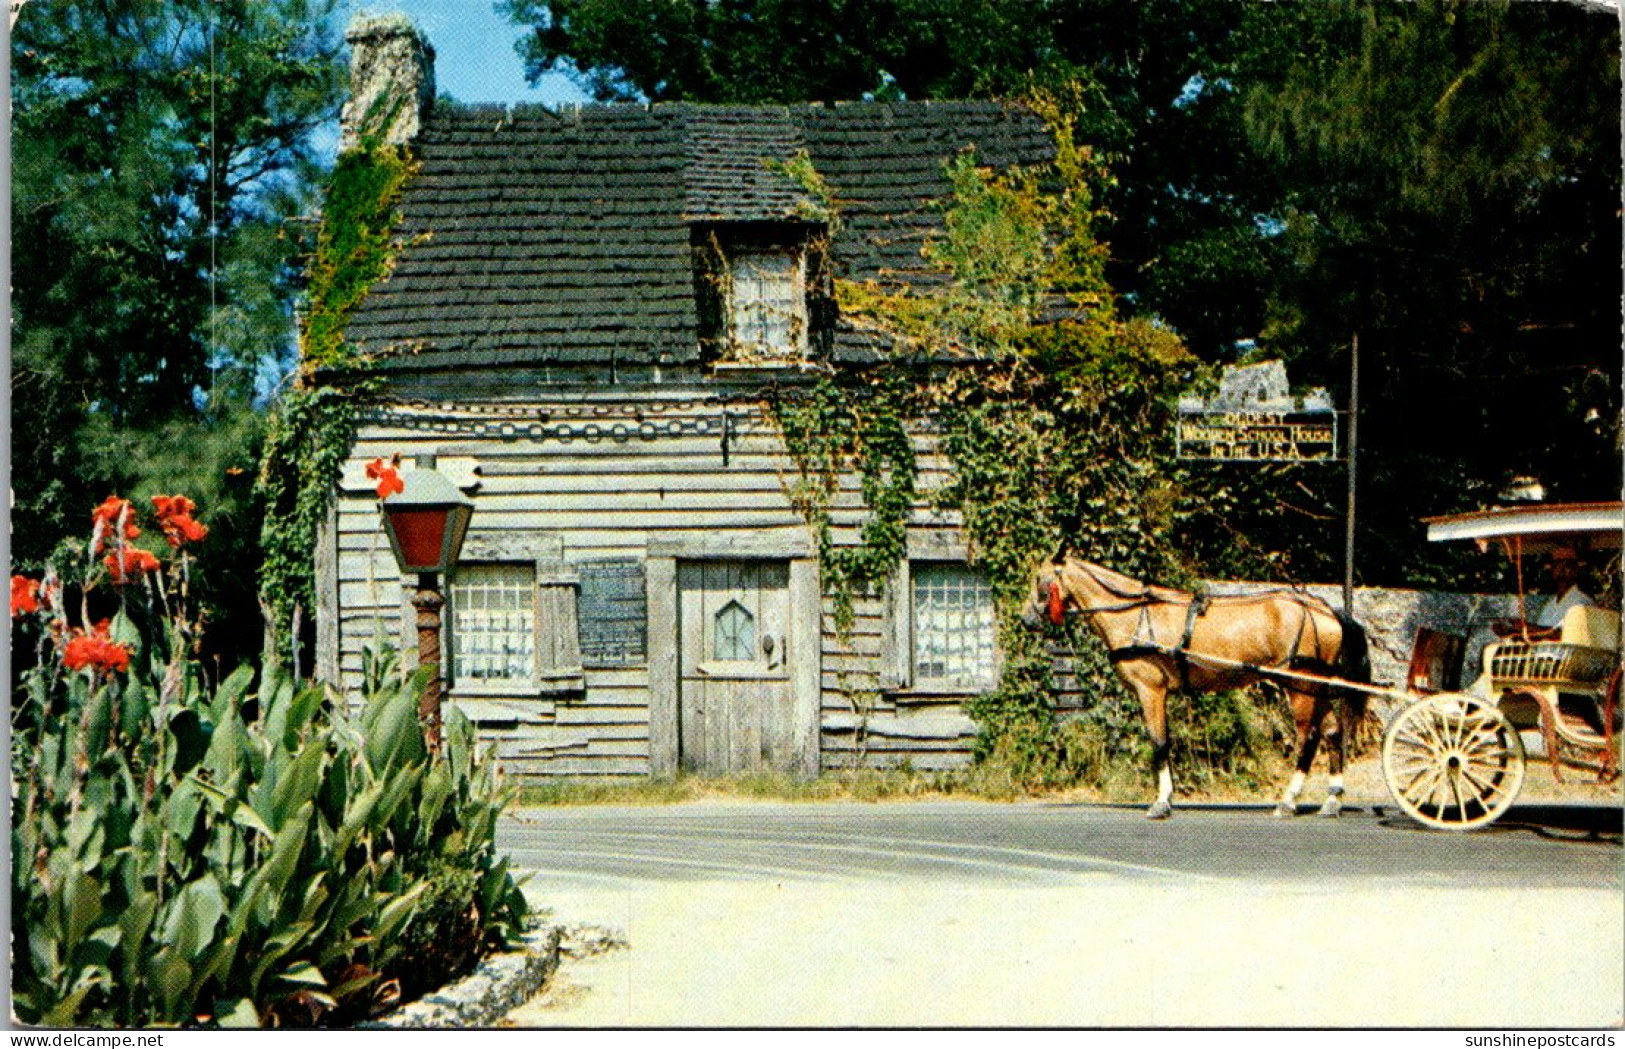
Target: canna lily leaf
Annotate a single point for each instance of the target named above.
(236, 1013)
(231, 807)
(191, 740)
(193, 915)
(298, 784)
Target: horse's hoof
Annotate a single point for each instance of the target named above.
(1285, 811)
(1160, 811)
(1330, 808)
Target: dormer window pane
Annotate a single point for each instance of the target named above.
(767, 307)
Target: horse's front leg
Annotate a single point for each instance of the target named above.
(1307, 714)
(1153, 695)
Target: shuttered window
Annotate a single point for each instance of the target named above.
(512, 628)
(493, 624)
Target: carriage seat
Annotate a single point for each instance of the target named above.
(1583, 652)
(1590, 627)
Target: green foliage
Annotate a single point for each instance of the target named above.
(845, 419)
(355, 248)
(310, 433)
(823, 208)
(1443, 176)
(313, 426)
(1447, 185)
(1057, 423)
(158, 150)
(239, 854)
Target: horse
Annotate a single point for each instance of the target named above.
(1160, 639)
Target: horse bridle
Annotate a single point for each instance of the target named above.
(1057, 601)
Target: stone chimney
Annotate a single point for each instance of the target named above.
(391, 81)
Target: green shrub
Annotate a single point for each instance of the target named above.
(238, 854)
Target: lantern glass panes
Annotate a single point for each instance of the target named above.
(493, 624)
(953, 626)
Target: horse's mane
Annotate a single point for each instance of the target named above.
(1127, 586)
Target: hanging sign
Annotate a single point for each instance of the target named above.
(1255, 418)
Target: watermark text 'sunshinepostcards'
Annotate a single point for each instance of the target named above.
(1539, 1041)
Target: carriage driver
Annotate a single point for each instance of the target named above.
(1563, 567)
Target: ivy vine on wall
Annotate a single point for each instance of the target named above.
(1056, 420)
(313, 426)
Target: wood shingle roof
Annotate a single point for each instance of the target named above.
(541, 236)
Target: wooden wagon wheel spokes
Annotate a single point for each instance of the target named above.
(1452, 761)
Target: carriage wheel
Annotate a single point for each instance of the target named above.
(1452, 761)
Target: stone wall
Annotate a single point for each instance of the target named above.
(1392, 617)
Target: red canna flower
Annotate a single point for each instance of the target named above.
(107, 518)
(24, 595)
(175, 518)
(389, 480)
(95, 650)
(130, 564)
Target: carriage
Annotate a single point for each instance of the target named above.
(1454, 755)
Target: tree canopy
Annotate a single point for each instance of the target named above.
(1442, 176)
(157, 152)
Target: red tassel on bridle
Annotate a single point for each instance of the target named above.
(1057, 604)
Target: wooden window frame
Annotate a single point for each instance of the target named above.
(556, 639)
(899, 673)
(736, 351)
(717, 248)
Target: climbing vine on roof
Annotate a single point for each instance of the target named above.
(1056, 419)
(313, 426)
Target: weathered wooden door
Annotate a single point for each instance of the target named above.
(735, 708)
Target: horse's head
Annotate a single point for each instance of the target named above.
(1046, 599)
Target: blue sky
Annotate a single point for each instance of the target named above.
(475, 60)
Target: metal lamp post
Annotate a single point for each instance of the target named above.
(426, 522)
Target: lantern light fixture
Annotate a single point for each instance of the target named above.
(427, 521)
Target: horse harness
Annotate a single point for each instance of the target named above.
(1201, 602)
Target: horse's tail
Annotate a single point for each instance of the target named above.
(1353, 664)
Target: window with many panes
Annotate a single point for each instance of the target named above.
(767, 308)
(493, 624)
(952, 627)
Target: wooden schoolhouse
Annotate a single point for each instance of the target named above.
(587, 307)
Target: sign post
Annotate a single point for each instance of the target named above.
(1254, 418)
(1353, 447)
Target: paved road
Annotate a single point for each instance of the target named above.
(1041, 844)
(973, 914)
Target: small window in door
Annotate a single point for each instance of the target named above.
(953, 628)
(734, 633)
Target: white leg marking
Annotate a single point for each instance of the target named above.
(1334, 798)
(1288, 805)
(1165, 785)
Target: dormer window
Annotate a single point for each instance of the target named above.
(767, 304)
(762, 292)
